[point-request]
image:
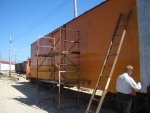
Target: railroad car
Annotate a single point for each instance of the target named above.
(76, 50)
(28, 69)
(21, 67)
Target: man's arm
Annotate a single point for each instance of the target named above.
(134, 85)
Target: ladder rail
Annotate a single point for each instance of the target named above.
(105, 60)
(116, 27)
(109, 54)
(111, 72)
(115, 61)
(99, 77)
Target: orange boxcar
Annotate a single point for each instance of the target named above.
(28, 69)
(94, 30)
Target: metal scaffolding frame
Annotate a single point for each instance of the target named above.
(62, 52)
(38, 65)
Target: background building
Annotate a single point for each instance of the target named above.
(4, 67)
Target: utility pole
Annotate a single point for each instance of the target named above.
(15, 59)
(0, 60)
(10, 42)
(75, 8)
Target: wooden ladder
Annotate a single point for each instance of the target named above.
(109, 63)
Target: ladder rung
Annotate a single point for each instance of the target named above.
(90, 111)
(101, 88)
(105, 77)
(95, 99)
(115, 45)
(108, 65)
(114, 54)
(122, 25)
(119, 34)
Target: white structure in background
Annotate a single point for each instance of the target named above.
(4, 67)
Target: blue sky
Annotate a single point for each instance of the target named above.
(26, 20)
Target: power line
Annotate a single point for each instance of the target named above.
(51, 13)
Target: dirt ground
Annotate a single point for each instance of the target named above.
(17, 95)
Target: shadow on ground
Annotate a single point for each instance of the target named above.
(69, 99)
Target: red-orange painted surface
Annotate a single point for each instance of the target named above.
(28, 69)
(95, 31)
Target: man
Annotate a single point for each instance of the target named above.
(124, 86)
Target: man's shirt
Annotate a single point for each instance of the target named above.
(125, 83)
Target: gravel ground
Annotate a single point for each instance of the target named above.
(19, 96)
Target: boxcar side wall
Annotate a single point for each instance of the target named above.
(96, 28)
(43, 68)
(95, 31)
(44, 63)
